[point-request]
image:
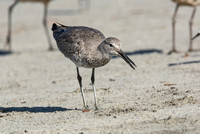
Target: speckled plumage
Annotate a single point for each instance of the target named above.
(78, 43)
(87, 47)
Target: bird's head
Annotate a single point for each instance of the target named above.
(112, 46)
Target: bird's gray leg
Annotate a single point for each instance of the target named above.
(8, 39)
(190, 25)
(173, 30)
(94, 90)
(45, 25)
(81, 88)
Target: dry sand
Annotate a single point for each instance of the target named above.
(39, 92)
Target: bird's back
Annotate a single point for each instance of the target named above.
(78, 43)
(187, 2)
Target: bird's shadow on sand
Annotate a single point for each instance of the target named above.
(143, 51)
(5, 52)
(183, 63)
(35, 109)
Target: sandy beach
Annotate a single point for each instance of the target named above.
(39, 91)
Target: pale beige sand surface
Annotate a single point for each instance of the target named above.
(39, 91)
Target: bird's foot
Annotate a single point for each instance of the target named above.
(172, 51)
(85, 109)
(186, 55)
(190, 50)
(96, 108)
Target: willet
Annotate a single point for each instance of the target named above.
(191, 3)
(87, 47)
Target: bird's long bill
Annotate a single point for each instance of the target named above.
(127, 59)
(195, 36)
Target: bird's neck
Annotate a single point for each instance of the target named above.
(103, 52)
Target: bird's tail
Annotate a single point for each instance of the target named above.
(55, 26)
(61, 24)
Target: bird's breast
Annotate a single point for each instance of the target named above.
(88, 62)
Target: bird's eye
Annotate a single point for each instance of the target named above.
(111, 45)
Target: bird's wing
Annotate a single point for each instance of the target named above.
(79, 39)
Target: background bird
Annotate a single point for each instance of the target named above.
(45, 2)
(191, 3)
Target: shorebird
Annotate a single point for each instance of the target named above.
(87, 47)
(191, 3)
(45, 2)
